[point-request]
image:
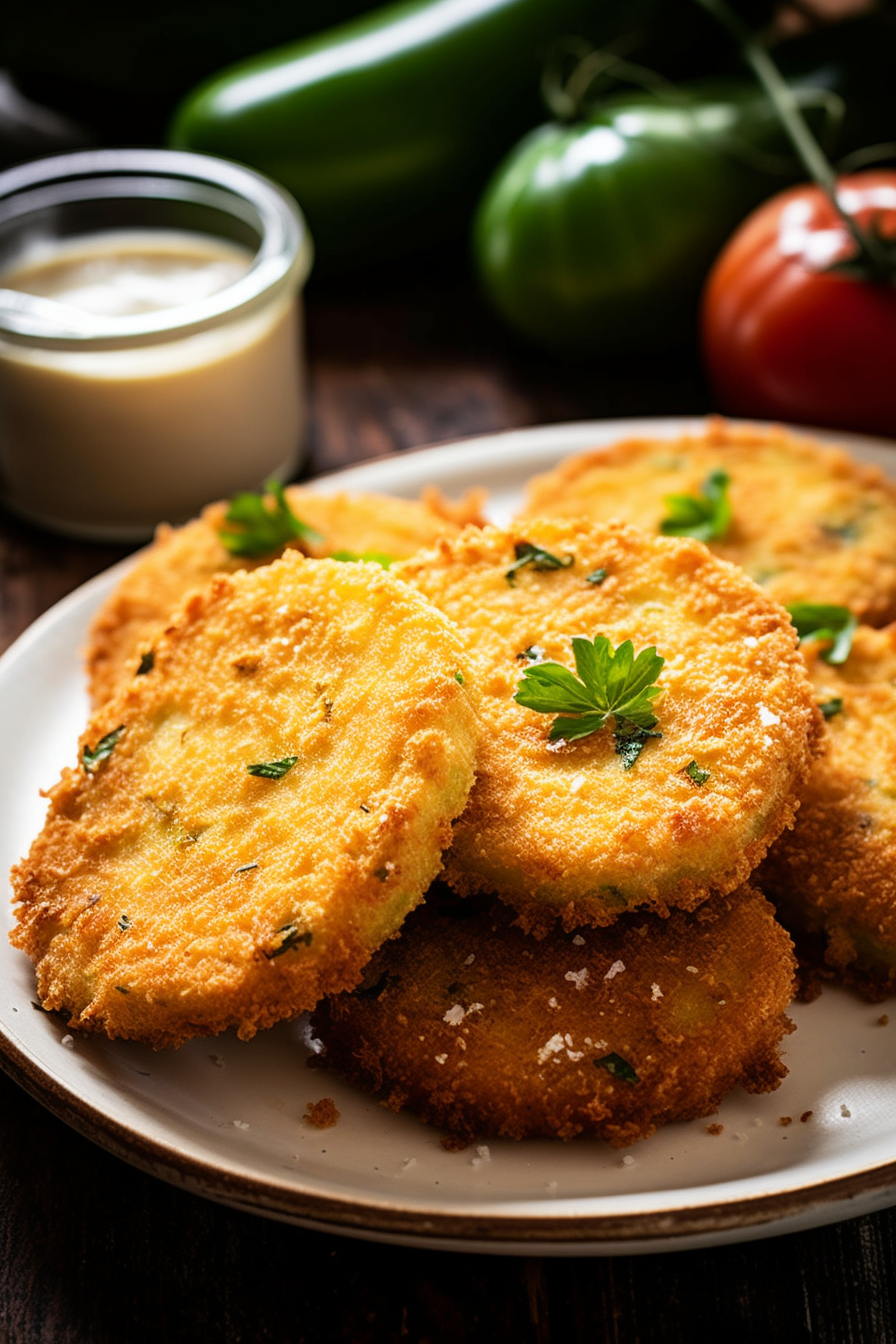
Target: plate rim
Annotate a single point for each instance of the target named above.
(561, 1231)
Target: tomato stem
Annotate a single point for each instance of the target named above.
(872, 255)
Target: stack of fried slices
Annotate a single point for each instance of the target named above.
(600, 733)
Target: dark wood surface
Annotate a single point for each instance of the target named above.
(93, 1251)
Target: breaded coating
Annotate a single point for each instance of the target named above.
(185, 557)
(833, 876)
(806, 519)
(478, 1028)
(256, 813)
(566, 830)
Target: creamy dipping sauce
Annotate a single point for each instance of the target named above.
(121, 274)
(106, 442)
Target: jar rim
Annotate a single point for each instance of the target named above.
(282, 261)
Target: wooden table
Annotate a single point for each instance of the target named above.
(93, 1251)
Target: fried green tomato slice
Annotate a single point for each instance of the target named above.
(126, 626)
(254, 815)
(480, 1029)
(833, 876)
(582, 829)
(804, 519)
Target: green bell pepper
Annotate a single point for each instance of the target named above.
(386, 128)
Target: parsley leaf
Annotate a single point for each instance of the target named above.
(92, 758)
(706, 516)
(696, 773)
(147, 663)
(272, 769)
(597, 576)
(528, 554)
(619, 1067)
(610, 684)
(831, 707)
(262, 527)
(834, 625)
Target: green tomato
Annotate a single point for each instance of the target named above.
(596, 237)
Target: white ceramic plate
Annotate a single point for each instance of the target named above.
(224, 1118)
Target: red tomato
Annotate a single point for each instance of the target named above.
(787, 338)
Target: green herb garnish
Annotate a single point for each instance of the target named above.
(841, 531)
(92, 758)
(831, 707)
(459, 678)
(619, 1067)
(831, 624)
(374, 557)
(147, 662)
(630, 742)
(528, 554)
(597, 576)
(272, 769)
(610, 684)
(534, 654)
(694, 772)
(245, 868)
(263, 527)
(290, 936)
(706, 516)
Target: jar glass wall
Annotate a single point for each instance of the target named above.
(151, 346)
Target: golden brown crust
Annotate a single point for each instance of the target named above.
(476, 1027)
(569, 832)
(172, 892)
(810, 524)
(833, 875)
(184, 558)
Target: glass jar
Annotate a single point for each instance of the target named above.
(151, 344)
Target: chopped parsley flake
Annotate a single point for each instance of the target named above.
(831, 707)
(706, 516)
(459, 678)
(528, 554)
(694, 772)
(619, 1067)
(147, 662)
(122, 989)
(848, 531)
(290, 936)
(93, 758)
(272, 769)
(630, 742)
(610, 684)
(534, 654)
(245, 868)
(830, 624)
(264, 523)
(597, 576)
